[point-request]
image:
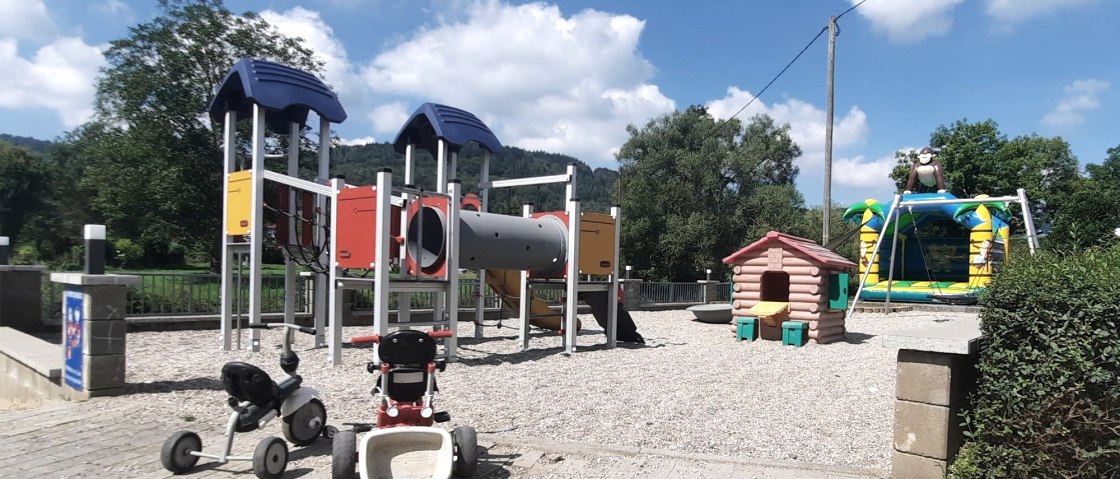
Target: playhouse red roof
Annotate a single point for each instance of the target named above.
(809, 247)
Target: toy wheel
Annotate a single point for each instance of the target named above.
(466, 454)
(344, 455)
(176, 453)
(271, 458)
(303, 426)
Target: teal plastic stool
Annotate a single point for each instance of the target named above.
(795, 333)
(746, 328)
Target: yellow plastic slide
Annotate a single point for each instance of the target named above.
(507, 283)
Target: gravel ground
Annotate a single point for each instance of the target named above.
(691, 388)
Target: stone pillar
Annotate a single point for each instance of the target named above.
(93, 333)
(936, 373)
(632, 300)
(21, 297)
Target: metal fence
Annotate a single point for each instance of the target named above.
(671, 292)
(171, 294)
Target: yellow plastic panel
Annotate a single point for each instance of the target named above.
(239, 199)
(596, 244)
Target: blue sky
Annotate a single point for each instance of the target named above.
(568, 76)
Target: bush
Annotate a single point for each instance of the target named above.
(1048, 400)
(128, 253)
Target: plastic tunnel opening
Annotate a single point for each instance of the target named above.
(426, 236)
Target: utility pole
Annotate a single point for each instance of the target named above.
(832, 30)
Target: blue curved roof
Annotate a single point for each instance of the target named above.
(289, 94)
(433, 121)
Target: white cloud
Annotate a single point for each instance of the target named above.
(541, 80)
(807, 123)
(907, 21)
(319, 37)
(389, 118)
(1079, 97)
(1011, 12)
(60, 76)
(116, 7)
(25, 20)
(858, 172)
(365, 140)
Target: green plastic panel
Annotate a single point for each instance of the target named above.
(838, 291)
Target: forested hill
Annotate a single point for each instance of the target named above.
(33, 144)
(360, 165)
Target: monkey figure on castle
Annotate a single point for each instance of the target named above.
(925, 173)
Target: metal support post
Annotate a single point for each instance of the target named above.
(404, 300)
(229, 158)
(1028, 220)
(890, 272)
(323, 283)
(451, 343)
(382, 240)
(290, 208)
(483, 198)
(256, 226)
(526, 295)
(612, 309)
(333, 308)
(572, 275)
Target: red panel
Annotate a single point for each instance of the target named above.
(439, 270)
(471, 202)
(357, 225)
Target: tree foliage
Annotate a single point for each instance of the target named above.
(24, 188)
(1048, 398)
(695, 189)
(152, 158)
(1090, 215)
(978, 159)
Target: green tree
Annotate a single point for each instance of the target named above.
(1091, 214)
(24, 189)
(153, 161)
(694, 189)
(978, 159)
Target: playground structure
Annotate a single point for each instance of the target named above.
(352, 237)
(924, 269)
(782, 277)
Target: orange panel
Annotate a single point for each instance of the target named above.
(357, 227)
(239, 199)
(596, 241)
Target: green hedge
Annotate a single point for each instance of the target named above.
(1048, 400)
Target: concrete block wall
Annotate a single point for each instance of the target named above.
(104, 333)
(932, 389)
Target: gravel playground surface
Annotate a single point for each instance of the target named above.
(692, 388)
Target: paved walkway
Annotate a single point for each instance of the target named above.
(121, 438)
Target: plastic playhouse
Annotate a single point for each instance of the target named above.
(790, 289)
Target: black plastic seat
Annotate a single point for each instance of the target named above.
(407, 346)
(407, 352)
(246, 382)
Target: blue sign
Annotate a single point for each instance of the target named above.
(72, 325)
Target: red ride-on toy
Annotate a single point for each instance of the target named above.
(403, 443)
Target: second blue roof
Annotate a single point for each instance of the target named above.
(433, 121)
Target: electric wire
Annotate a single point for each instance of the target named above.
(779, 75)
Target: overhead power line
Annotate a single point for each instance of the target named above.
(779, 75)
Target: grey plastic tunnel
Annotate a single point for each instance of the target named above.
(491, 241)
